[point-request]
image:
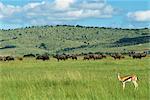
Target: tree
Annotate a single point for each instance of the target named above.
(43, 46)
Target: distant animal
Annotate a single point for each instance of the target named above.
(117, 56)
(1, 58)
(131, 53)
(29, 55)
(137, 55)
(9, 58)
(129, 78)
(98, 56)
(93, 56)
(74, 57)
(86, 57)
(61, 57)
(19, 58)
(103, 55)
(42, 57)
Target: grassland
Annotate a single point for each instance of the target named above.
(72, 39)
(73, 80)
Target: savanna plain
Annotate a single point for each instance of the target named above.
(73, 80)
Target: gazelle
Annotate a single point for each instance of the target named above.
(129, 78)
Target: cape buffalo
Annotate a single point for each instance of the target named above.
(8, 58)
(29, 55)
(42, 57)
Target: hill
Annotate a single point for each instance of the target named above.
(72, 39)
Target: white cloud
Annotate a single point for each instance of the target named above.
(8, 10)
(76, 13)
(63, 4)
(51, 12)
(140, 16)
(1, 16)
(33, 5)
(92, 5)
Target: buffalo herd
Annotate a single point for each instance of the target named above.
(94, 56)
(6, 58)
(42, 57)
(64, 57)
(135, 55)
(117, 56)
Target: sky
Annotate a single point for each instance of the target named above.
(101, 13)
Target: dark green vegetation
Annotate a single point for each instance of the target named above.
(73, 80)
(72, 39)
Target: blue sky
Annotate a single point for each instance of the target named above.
(102, 13)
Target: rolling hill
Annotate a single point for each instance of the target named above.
(72, 39)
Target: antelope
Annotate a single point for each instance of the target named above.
(129, 78)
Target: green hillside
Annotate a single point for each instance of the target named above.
(72, 39)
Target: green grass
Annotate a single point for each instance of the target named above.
(59, 38)
(73, 80)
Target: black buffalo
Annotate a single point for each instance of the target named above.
(42, 57)
(86, 57)
(73, 57)
(61, 57)
(103, 55)
(94, 56)
(9, 58)
(138, 55)
(97, 56)
(29, 55)
(117, 56)
(1, 58)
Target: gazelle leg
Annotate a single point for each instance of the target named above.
(123, 84)
(135, 84)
